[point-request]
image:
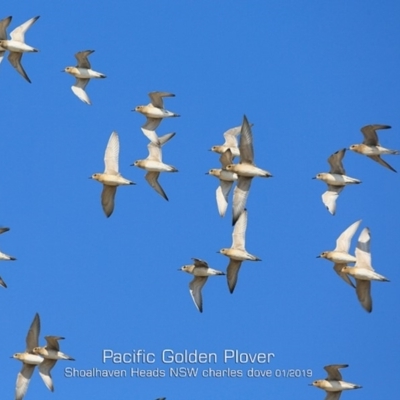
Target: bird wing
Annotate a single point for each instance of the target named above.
(2, 230)
(232, 273)
(151, 124)
(150, 133)
(15, 61)
(44, 370)
(379, 160)
(3, 33)
(338, 269)
(333, 371)
(200, 263)
(195, 287)
(23, 379)
(157, 98)
(335, 161)
(107, 199)
(152, 178)
(370, 135)
(32, 338)
(240, 195)
(155, 152)
(111, 155)
(165, 138)
(18, 33)
(246, 143)
(363, 250)
(330, 196)
(363, 290)
(343, 241)
(221, 194)
(52, 342)
(79, 89)
(82, 58)
(239, 231)
(230, 136)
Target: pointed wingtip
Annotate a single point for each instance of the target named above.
(235, 218)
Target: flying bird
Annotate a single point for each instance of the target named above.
(340, 255)
(201, 272)
(230, 143)
(28, 358)
(111, 178)
(155, 111)
(153, 164)
(83, 73)
(333, 384)
(51, 353)
(363, 271)
(17, 46)
(246, 170)
(237, 253)
(226, 179)
(371, 148)
(335, 179)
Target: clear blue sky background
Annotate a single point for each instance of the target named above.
(308, 75)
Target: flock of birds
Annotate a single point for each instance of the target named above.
(336, 178)
(242, 173)
(245, 171)
(111, 178)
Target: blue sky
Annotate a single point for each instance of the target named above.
(308, 76)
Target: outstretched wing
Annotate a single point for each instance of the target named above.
(157, 98)
(18, 33)
(15, 61)
(107, 199)
(335, 161)
(79, 90)
(152, 178)
(82, 57)
(370, 135)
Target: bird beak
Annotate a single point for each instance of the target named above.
(318, 257)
